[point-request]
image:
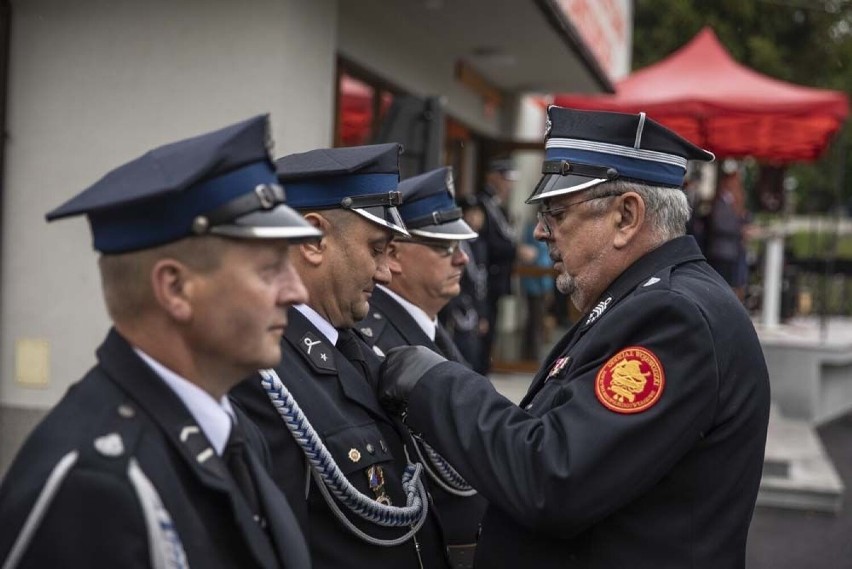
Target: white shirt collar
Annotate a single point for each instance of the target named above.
(214, 417)
(427, 324)
(323, 325)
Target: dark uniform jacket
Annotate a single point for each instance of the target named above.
(344, 410)
(135, 477)
(389, 325)
(573, 478)
(500, 243)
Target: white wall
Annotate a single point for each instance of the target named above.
(93, 84)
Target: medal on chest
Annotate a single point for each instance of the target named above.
(376, 480)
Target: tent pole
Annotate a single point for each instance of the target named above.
(835, 235)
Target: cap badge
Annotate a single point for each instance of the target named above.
(266, 195)
(450, 185)
(631, 381)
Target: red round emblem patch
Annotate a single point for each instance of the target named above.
(631, 381)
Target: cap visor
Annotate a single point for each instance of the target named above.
(452, 231)
(281, 222)
(386, 216)
(552, 185)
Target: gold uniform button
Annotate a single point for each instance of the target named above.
(354, 455)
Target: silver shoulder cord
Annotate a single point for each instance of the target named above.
(442, 472)
(164, 545)
(334, 484)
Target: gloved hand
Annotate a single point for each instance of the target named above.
(402, 369)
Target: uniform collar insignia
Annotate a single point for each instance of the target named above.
(317, 350)
(651, 281)
(367, 331)
(598, 310)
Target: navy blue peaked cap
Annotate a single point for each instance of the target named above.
(429, 209)
(363, 179)
(219, 183)
(586, 148)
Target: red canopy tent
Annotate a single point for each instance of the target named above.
(703, 94)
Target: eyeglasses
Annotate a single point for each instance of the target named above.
(442, 248)
(547, 217)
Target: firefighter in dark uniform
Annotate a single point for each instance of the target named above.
(145, 463)
(427, 270)
(348, 468)
(640, 441)
(501, 243)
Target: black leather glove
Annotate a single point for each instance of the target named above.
(403, 367)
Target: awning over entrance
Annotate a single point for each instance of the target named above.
(516, 46)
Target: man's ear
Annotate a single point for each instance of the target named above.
(394, 251)
(629, 218)
(173, 285)
(312, 251)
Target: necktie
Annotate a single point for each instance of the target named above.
(237, 462)
(448, 348)
(349, 345)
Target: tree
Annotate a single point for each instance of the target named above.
(808, 42)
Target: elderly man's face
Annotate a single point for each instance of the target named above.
(430, 272)
(578, 239)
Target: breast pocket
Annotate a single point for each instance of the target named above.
(363, 456)
(357, 447)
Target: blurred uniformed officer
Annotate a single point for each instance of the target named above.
(427, 270)
(501, 243)
(640, 441)
(144, 463)
(340, 459)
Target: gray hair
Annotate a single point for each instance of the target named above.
(667, 209)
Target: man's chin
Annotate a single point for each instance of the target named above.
(566, 284)
(359, 312)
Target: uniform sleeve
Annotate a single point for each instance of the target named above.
(577, 461)
(93, 521)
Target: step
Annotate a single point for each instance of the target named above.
(798, 473)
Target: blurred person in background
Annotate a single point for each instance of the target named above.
(537, 291)
(500, 239)
(726, 229)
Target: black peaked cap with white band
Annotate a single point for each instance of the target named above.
(587, 148)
